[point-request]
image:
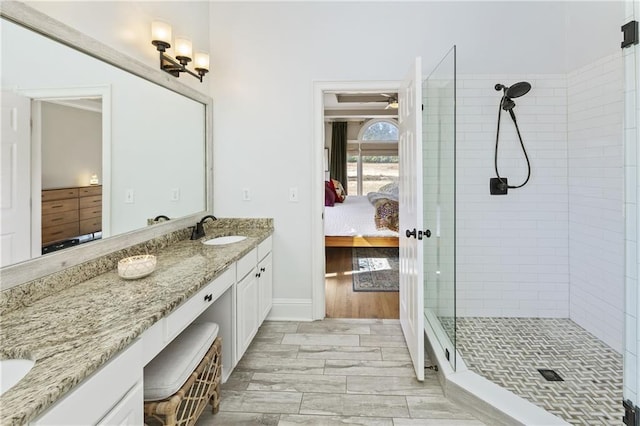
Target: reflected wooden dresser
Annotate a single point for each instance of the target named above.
(70, 212)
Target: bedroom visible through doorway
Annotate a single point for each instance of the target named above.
(361, 204)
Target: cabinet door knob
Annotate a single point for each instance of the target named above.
(208, 297)
(258, 275)
(262, 269)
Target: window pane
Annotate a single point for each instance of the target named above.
(352, 175)
(381, 131)
(378, 170)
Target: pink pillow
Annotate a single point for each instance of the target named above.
(329, 194)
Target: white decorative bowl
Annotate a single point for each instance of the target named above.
(134, 267)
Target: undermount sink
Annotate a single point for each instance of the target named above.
(219, 241)
(12, 371)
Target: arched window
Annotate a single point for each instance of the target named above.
(382, 129)
(372, 160)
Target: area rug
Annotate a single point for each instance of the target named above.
(375, 269)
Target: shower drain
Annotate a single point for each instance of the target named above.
(550, 375)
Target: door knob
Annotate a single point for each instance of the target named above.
(427, 233)
(410, 233)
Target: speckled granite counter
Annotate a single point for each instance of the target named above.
(73, 332)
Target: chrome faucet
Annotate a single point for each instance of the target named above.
(197, 231)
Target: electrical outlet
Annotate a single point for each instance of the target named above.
(293, 194)
(246, 194)
(129, 196)
(175, 194)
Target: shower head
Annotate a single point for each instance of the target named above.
(518, 89)
(515, 91)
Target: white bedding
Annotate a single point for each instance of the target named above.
(352, 218)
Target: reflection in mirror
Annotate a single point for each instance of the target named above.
(155, 158)
(146, 147)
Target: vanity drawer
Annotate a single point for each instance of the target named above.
(59, 232)
(59, 218)
(49, 207)
(86, 202)
(87, 191)
(246, 264)
(179, 319)
(59, 194)
(91, 212)
(264, 248)
(88, 226)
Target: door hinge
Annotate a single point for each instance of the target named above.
(631, 413)
(629, 34)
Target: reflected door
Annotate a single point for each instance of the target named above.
(15, 162)
(410, 201)
(439, 175)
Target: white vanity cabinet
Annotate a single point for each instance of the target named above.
(265, 280)
(247, 305)
(254, 294)
(112, 395)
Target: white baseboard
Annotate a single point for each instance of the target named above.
(291, 310)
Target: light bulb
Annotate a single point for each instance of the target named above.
(183, 48)
(201, 61)
(161, 31)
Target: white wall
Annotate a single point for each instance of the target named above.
(267, 56)
(596, 198)
(71, 146)
(512, 250)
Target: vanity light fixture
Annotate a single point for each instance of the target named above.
(161, 39)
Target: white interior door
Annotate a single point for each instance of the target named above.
(15, 189)
(411, 249)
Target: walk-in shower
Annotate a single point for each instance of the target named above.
(499, 185)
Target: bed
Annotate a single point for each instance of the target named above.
(351, 224)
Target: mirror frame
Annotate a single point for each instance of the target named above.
(44, 25)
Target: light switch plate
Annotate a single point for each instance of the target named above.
(129, 196)
(246, 194)
(293, 194)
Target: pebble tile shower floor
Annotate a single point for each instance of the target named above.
(346, 372)
(509, 352)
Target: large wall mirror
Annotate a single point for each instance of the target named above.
(112, 144)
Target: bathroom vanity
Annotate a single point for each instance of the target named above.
(91, 341)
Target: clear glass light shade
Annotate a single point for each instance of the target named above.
(201, 61)
(161, 31)
(183, 47)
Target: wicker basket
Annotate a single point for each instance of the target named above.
(185, 406)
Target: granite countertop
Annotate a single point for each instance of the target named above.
(72, 333)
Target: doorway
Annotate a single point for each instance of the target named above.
(356, 263)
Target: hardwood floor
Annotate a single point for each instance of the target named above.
(343, 302)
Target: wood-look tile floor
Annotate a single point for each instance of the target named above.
(332, 372)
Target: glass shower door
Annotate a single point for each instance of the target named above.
(439, 174)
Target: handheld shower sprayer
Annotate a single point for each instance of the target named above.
(499, 185)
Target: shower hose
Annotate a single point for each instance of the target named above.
(495, 159)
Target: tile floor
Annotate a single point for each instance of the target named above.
(508, 351)
(347, 372)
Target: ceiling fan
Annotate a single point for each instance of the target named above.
(392, 101)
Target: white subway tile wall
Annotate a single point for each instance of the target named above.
(596, 198)
(512, 250)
